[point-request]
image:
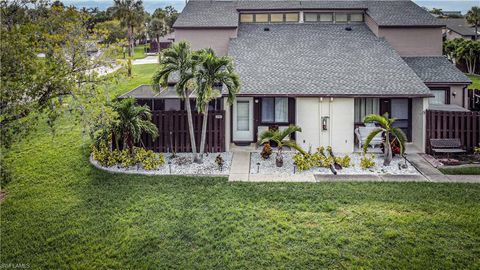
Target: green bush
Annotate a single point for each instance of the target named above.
(367, 162)
(145, 158)
(345, 161)
(319, 159)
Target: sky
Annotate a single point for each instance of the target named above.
(151, 5)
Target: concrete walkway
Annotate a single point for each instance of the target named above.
(240, 168)
(432, 174)
(146, 60)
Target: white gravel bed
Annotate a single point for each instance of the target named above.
(268, 166)
(182, 164)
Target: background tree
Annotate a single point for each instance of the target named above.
(133, 120)
(386, 126)
(437, 11)
(131, 14)
(469, 50)
(213, 71)
(473, 17)
(156, 29)
(179, 59)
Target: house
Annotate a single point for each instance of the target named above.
(324, 65)
(458, 28)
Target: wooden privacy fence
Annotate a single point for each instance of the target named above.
(173, 131)
(451, 124)
(474, 99)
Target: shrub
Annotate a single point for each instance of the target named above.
(304, 162)
(344, 161)
(146, 158)
(476, 150)
(367, 162)
(266, 151)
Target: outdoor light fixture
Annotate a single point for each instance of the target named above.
(169, 167)
(325, 122)
(258, 167)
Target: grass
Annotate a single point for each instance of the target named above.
(138, 52)
(461, 171)
(475, 81)
(62, 213)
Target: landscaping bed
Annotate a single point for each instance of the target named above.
(268, 166)
(180, 164)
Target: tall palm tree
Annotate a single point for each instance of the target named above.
(386, 125)
(132, 122)
(473, 17)
(213, 70)
(130, 13)
(278, 137)
(179, 59)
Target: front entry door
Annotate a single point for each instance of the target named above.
(243, 120)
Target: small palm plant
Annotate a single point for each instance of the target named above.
(133, 120)
(279, 137)
(386, 126)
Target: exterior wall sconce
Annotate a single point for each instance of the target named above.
(454, 94)
(325, 122)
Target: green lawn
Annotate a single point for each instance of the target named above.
(62, 213)
(138, 52)
(461, 171)
(475, 81)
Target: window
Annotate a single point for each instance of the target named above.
(364, 107)
(291, 17)
(243, 115)
(276, 17)
(310, 17)
(261, 18)
(356, 17)
(246, 18)
(341, 17)
(326, 17)
(274, 110)
(440, 96)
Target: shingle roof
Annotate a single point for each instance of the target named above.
(436, 70)
(146, 91)
(207, 13)
(312, 59)
(400, 13)
(460, 26)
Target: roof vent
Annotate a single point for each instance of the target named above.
(266, 29)
(348, 28)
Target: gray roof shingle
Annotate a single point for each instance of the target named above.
(207, 13)
(313, 59)
(436, 69)
(460, 26)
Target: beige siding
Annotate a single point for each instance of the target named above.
(227, 108)
(457, 96)
(217, 39)
(414, 41)
(371, 24)
(340, 124)
(419, 105)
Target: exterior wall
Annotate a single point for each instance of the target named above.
(459, 98)
(414, 41)
(228, 123)
(339, 135)
(217, 39)
(371, 24)
(419, 105)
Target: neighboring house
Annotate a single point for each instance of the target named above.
(458, 28)
(324, 65)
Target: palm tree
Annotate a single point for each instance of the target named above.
(386, 126)
(473, 17)
(179, 59)
(213, 71)
(278, 137)
(133, 120)
(130, 13)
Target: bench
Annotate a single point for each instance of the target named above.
(447, 146)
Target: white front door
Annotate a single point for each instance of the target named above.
(243, 119)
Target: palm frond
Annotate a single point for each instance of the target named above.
(293, 144)
(370, 138)
(289, 130)
(382, 120)
(402, 138)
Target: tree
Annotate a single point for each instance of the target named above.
(156, 28)
(213, 71)
(60, 79)
(450, 49)
(132, 121)
(469, 50)
(130, 13)
(386, 126)
(437, 11)
(278, 137)
(473, 17)
(179, 59)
